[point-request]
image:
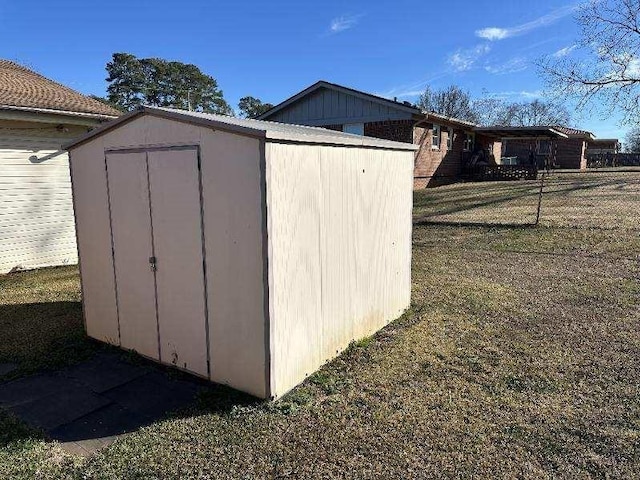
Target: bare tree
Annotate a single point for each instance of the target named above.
(605, 67)
(451, 102)
(632, 141)
(536, 113)
(492, 111)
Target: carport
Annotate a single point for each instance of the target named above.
(526, 146)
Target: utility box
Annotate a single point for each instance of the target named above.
(245, 252)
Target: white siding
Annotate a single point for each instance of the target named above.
(339, 223)
(36, 212)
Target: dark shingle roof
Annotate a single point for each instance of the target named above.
(21, 87)
(573, 132)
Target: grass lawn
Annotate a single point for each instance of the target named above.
(520, 358)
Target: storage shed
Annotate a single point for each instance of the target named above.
(246, 252)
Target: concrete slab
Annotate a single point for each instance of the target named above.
(32, 388)
(87, 406)
(103, 424)
(51, 411)
(103, 372)
(6, 368)
(154, 395)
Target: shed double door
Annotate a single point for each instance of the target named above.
(156, 226)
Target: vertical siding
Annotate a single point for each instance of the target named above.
(231, 176)
(36, 212)
(339, 222)
(326, 106)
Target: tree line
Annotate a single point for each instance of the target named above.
(134, 81)
(490, 110)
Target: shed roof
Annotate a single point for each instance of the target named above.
(248, 127)
(522, 132)
(24, 89)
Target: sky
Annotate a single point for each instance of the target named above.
(273, 49)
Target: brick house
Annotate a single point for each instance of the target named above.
(444, 142)
(567, 152)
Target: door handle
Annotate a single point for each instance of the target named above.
(152, 263)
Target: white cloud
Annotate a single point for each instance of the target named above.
(563, 52)
(513, 65)
(344, 22)
(500, 33)
(464, 59)
(633, 68)
(521, 94)
(493, 33)
(414, 89)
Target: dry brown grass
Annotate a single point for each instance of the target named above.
(520, 358)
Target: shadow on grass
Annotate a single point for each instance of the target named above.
(42, 336)
(479, 198)
(507, 226)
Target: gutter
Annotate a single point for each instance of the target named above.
(97, 116)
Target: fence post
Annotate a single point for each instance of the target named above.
(544, 172)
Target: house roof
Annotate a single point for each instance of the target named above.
(605, 140)
(24, 89)
(574, 132)
(248, 127)
(406, 107)
(436, 117)
(522, 132)
(403, 106)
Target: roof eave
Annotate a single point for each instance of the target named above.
(527, 132)
(443, 118)
(52, 111)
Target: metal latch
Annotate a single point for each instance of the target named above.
(152, 262)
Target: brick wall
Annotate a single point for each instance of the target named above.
(570, 152)
(396, 130)
(437, 166)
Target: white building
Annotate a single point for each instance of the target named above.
(36, 216)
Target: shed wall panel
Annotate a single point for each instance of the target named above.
(339, 250)
(91, 204)
(294, 205)
(233, 223)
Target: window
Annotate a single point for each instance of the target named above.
(355, 128)
(449, 138)
(544, 147)
(469, 141)
(435, 137)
